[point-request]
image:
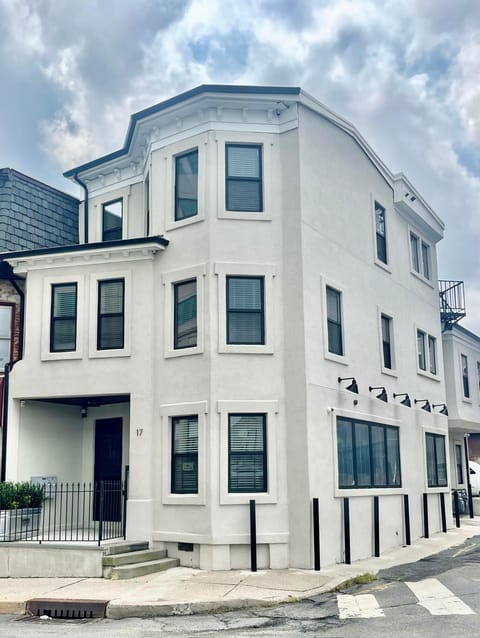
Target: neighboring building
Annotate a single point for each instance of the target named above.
(32, 215)
(250, 262)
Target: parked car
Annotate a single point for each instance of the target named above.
(475, 477)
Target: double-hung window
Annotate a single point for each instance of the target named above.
(112, 220)
(465, 380)
(420, 255)
(184, 479)
(63, 318)
(381, 233)
(247, 453)
(185, 314)
(6, 312)
(334, 321)
(387, 342)
(436, 460)
(186, 185)
(245, 310)
(243, 179)
(111, 314)
(459, 464)
(426, 352)
(147, 205)
(368, 454)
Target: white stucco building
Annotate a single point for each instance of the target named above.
(244, 251)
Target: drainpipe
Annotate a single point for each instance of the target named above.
(6, 271)
(85, 206)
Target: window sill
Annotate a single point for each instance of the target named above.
(183, 352)
(259, 216)
(226, 348)
(227, 498)
(180, 223)
(438, 490)
(428, 375)
(60, 356)
(467, 400)
(382, 265)
(337, 358)
(105, 354)
(390, 372)
(367, 491)
(183, 499)
(419, 276)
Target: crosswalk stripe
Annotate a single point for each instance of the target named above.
(362, 606)
(438, 599)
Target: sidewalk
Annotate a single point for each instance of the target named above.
(184, 591)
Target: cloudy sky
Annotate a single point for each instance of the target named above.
(405, 72)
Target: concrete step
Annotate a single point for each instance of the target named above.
(125, 546)
(140, 569)
(130, 558)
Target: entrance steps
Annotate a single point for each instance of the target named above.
(130, 560)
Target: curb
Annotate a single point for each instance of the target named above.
(13, 607)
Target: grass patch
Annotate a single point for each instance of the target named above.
(362, 579)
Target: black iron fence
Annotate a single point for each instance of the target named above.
(71, 512)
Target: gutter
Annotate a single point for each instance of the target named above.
(85, 205)
(6, 272)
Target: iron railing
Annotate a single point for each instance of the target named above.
(71, 512)
(452, 300)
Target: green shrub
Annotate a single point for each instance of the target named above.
(19, 495)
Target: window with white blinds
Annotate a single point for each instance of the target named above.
(247, 453)
(186, 185)
(245, 310)
(111, 314)
(184, 455)
(63, 318)
(185, 314)
(244, 178)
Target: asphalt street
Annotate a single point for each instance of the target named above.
(437, 596)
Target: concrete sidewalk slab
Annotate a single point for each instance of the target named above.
(186, 591)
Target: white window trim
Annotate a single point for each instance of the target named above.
(456, 442)
(376, 260)
(427, 373)
(464, 398)
(392, 372)
(111, 196)
(270, 408)
(180, 148)
(420, 275)
(434, 430)
(45, 353)
(367, 491)
(169, 279)
(331, 356)
(478, 378)
(222, 270)
(167, 412)
(267, 144)
(93, 353)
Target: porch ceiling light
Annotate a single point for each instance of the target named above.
(383, 396)
(353, 387)
(83, 411)
(426, 404)
(406, 401)
(444, 409)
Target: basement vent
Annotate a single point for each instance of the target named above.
(185, 547)
(67, 609)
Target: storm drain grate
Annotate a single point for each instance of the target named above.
(66, 609)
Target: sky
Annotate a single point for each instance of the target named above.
(406, 73)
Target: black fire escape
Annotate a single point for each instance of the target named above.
(452, 302)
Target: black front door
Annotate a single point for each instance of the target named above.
(108, 468)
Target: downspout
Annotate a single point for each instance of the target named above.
(85, 206)
(7, 271)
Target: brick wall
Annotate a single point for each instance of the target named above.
(34, 215)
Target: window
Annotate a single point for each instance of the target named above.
(184, 455)
(147, 206)
(381, 235)
(458, 460)
(245, 310)
(63, 318)
(185, 314)
(334, 321)
(5, 335)
(420, 253)
(243, 185)
(186, 185)
(247, 453)
(436, 460)
(478, 376)
(112, 213)
(110, 320)
(465, 381)
(426, 352)
(368, 454)
(387, 342)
